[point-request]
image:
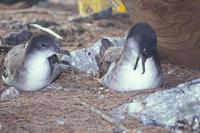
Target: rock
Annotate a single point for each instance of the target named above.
(9, 94)
(178, 107)
(16, 38)
(118, 130)
(84, 59)
(60, 121)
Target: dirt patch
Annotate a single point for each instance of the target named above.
(61, 111)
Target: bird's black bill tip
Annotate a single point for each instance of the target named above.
(66, 52)
(61, 51)
(136, 63)
(143, 64)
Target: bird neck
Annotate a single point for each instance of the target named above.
(34, 57)
(129, 55)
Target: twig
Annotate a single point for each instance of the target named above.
(170, 72)
(104, 116)
(95, 78)
(47, 30)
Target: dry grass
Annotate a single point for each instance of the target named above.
(61, 111)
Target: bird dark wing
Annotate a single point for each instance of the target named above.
(103, 66)
(108, 53)
(3, 52)
(55, 68)
(105, 44)
(53, 59)
(13, 64)
(112, 54)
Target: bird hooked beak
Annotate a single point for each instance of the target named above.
(144, 55)
(61, 51)
(144, 58)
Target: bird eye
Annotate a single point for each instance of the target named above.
(145, 51)
(43, 45)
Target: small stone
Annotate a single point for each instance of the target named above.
(1, 44)
(107, 90)
(195, 123)
(9, 94)
(181, 85)
(91, 72)
(53, 86)
(101, 97)
(60, 121)
(178, 131)
(79, 45)
(138, 130)
(118, 130)
(182, 124)
(101, 88)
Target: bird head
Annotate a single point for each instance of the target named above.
(143, 41)
(45, 45)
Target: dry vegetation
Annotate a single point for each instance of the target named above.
(61, 111)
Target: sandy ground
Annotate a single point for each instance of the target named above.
(61, 111)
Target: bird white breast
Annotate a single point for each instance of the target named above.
(38, 72)
(124, 78)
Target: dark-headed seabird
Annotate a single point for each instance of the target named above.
(32, 66)
(136, 66)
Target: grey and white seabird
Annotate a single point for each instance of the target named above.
(136, 66)
(32, 66)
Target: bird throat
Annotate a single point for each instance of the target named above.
(134, 57)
